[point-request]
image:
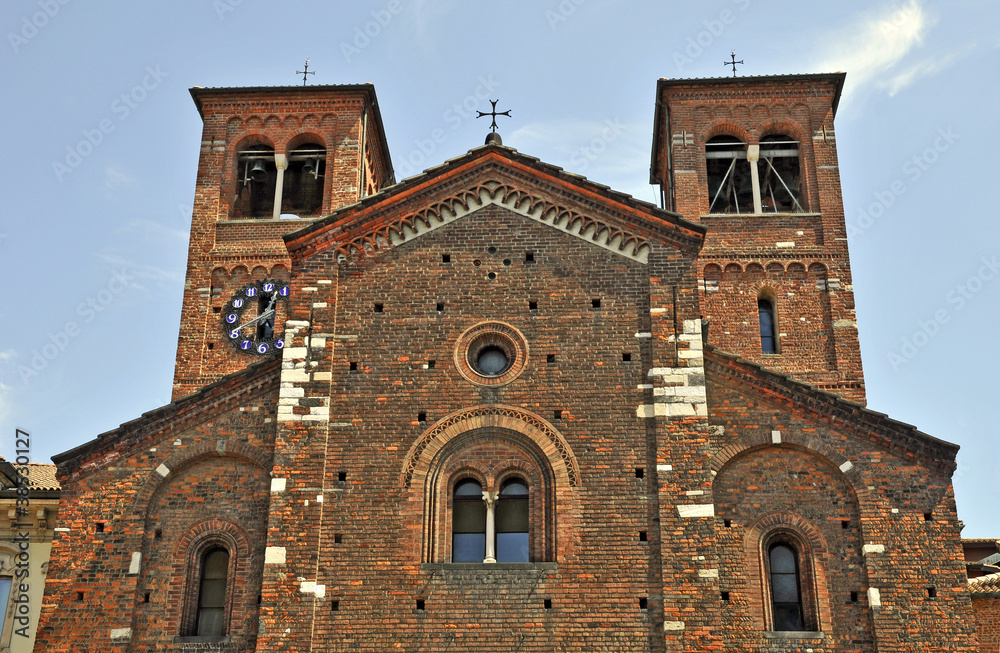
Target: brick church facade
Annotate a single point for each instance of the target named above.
(497, 405)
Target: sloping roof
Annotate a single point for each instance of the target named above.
(180, 413)
(989, 585)
(980, 541)
(891, 435)
(380, 210)
(41, 476)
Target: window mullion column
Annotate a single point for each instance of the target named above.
(281, 162)
(753, 155)
(491, 528)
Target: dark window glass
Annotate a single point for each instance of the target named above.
(730, 185)
(512, 522)
(768, 341)
(491, 361)
(212, 593)
(778, 171)
(786, 601)
(468, 523)
(5, 583)
(256, 178)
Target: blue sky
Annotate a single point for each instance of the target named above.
(101, 146)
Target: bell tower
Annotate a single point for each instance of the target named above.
(273, 159)
(754, 159)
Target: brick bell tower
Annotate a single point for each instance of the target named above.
(754, 159)
(272, 160)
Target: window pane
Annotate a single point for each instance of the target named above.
(4, 597)
(785, 588)
(213, 594)
(468, 547)
(216, 565)
(782, 560)
(514, 488)
(512, 516)
(210, 622)
(469, 488)
(787, 617)
(469, 517)
(512, 547)
(766, 313)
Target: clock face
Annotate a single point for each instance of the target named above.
(248, 319)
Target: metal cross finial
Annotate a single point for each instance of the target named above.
(494, 115)
(732, 54)
(305, 72)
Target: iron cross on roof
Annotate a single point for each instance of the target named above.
(305, 72)
(732, 54)
(494, 114)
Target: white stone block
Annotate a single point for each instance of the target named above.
(322, 376)
(278, 484)
(121, 633)
(673, 625)
(847, 466)
(294, 353)
(291, 392)
(690, 354)
(320, 591)
(692, 510)
(136, 563)
(785, 243)
(708, 573)
(644, 411)
(874, 597)
(692, 326)
(274, 555)
(284, 410)
(644, 334)
(319, 304)
(695, 493)
(317, 343)
(308, 587)
(681, 410)
(869, 549)
(291, 401)
(657, 311)
(775, 437)
(664, 468)
(294, 376)
(163, 470)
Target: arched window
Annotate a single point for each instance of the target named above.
(256, 178)
(730, 183)
(512, 522)
(212, 593)
(468, 522)
(302, 192)
(786, 587)
(768, 336)
(778, 172)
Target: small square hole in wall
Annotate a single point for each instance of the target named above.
(421, 417)
(724, 595)
(931, 592)
(260, 599)
(548, 604)
(341, 476)
(643, 603)
(431, 364)
(446, 258)
(595, 303)
(157, 534)
(643, 536)
(145, 597)
(99, 527)
(728, 523)
(421, 606)
(854, 597)
(211, 346)
(440, 307)
(338, 538)
(626, 356)
(78, 596)
(529, 257)
(640, 472)
(550, 359)
(353, 366)
(216, 309)
(928, 516)
(334, 606)
(379, 307)
(557, 414)
(532, 306)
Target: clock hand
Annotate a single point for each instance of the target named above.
(262, 316)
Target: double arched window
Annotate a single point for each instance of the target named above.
(744, 178)
(269, 185)
(489, 526)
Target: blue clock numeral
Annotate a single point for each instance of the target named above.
(237, 303)
(251, 292)
(279, 343)
(284, 291)
(246, 344)
(231, 318)
(268, 287)
(262, 348)
(234, 334)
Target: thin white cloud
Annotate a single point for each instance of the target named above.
(929, 66)
(115, 176)
(871, 47)
(7, 355)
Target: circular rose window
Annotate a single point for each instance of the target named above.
(491, 353)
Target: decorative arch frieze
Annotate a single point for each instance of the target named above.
(492, 192)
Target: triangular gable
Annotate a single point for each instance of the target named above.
(494, 174)
(822, 407)
(215, 399)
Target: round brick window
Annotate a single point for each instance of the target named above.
(491, 353)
